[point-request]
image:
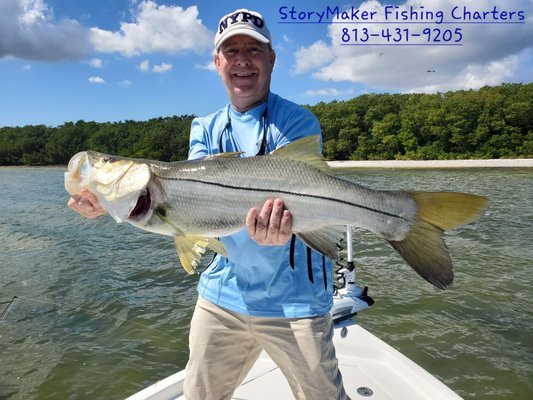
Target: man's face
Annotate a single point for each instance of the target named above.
(245, 66)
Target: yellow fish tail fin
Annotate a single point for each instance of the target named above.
(424, 248)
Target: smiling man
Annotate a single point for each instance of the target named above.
(244, 63)
(271, 292)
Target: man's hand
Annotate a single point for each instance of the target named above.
(272, 226)
(86, 204)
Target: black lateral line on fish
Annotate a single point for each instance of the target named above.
(285, 192)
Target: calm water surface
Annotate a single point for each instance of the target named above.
(103, 309)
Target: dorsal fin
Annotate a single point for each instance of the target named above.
(306, 150)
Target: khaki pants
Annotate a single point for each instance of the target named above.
(224, 345)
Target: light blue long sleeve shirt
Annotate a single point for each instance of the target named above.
(290, 281)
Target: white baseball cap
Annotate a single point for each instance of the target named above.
(242, 22)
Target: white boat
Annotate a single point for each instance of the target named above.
(371, 369)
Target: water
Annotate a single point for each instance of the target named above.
(103, 309)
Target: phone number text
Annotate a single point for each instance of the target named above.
(399, 36)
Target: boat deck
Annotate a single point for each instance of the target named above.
(371, 369)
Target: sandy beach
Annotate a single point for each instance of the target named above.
(495, 163)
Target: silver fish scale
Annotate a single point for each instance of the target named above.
(212, 197)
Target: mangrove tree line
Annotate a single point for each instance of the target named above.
(492, 122)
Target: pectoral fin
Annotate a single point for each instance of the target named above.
(190, 249)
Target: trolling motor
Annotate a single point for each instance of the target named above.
(348, 298)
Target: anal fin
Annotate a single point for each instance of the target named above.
(323, 240)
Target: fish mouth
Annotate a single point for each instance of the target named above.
(144, 202)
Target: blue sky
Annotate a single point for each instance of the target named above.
(114, 60)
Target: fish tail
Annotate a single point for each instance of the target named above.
(424, 248)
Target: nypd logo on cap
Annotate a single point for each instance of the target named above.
(242, 22)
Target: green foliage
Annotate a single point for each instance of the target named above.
(165, 139)
(493, 122)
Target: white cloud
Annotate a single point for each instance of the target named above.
(162, 68)
(490, 53)
(476, 76)
(125, 83)
(155, 28)
(144, 65)
(314, 56)
(96, 79)
(331, 92)
(210, 66)
(96, 63)
(29, 31)
(26, 67)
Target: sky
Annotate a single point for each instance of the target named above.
(115, 60)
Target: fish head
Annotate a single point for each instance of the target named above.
(117, 182)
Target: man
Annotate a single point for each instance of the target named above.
(271, 292)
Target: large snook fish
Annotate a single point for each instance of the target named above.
(200, 200)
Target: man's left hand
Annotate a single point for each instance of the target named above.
(272, 226)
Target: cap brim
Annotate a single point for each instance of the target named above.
(242, 31)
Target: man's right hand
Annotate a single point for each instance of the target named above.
(86, 204)
(272, 226)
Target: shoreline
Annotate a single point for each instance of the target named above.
(493, 163)
(408, 164)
